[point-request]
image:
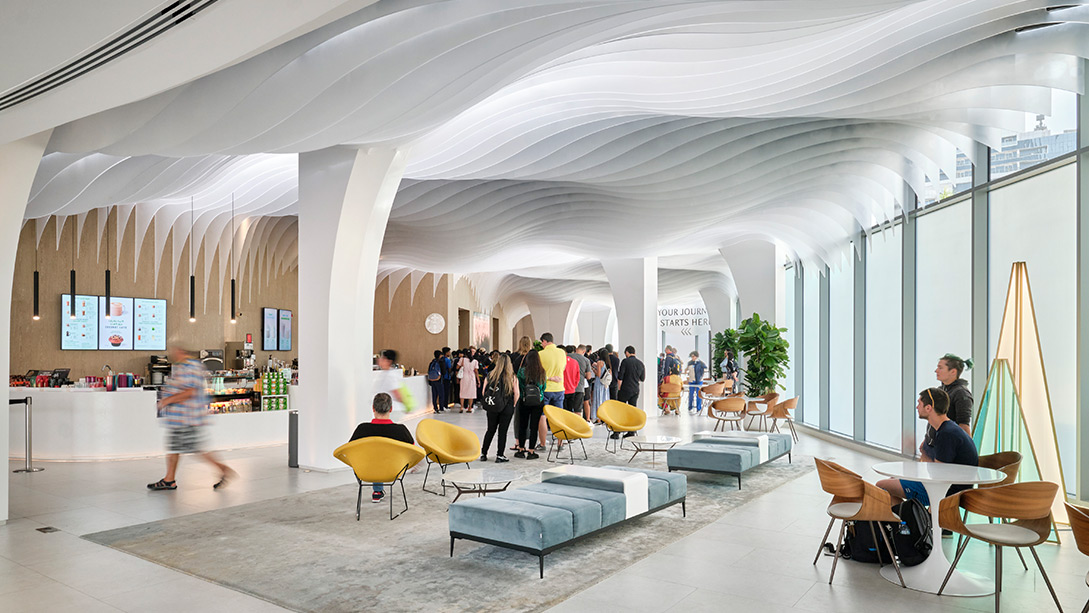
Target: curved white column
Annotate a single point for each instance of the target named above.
(345, 196)
(753, 264)
(635, 293)
(18, 164)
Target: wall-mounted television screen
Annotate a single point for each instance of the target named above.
(115, 323)
(270, 317)
(149, 324)
(285, 330)
(79, 332)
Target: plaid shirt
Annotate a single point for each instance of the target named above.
(192, 412)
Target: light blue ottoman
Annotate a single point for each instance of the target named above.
(726, 455)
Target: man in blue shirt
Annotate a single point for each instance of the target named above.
(695, 371)
(950, 445)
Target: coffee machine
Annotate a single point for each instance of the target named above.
(158, 369)
(239, 356)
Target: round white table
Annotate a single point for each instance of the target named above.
(936, 478)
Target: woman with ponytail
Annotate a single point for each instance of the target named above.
(948, 373)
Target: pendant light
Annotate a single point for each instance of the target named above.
(72, 278)
(107, 313)
(36, 316)
(233, 309)
(192, 279)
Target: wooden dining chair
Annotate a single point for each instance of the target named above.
(1026, 506)
(1008, 463)
(712, 392)
(1079, 525)
(768, 400)
(854, 499)
(727, 411)
(782, 411)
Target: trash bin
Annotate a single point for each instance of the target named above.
(293, 439)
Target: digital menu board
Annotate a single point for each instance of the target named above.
(285, 330)
(149, 324)
(115, 331)
(80, 333)
(268, 336)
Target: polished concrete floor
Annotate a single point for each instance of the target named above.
(755, 558)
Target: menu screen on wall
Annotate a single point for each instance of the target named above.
(149, 324)
(268, 336)
(115, 331)
(82, 331)
(285, 330)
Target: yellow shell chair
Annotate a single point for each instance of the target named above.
(377, 460)
(567, 426)
(620, 417)
(446, 444)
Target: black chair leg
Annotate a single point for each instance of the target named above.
(359, 501)
(960, 551)
(892, 556)
(584, 455)
(997, 577)
(839, 543)
(1046, 580)
(1021, 556)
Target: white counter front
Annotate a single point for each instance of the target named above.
(84, 424)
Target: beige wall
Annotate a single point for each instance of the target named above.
(400, 326)
(36, 344)
(524, 327)
(462, 296)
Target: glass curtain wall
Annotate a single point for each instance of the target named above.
(811, 390)
(787, 293)
(1033, 221)
(884, 317)
(943, 293)
(841, 336)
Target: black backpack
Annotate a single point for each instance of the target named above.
(534, 398)
(911, 538)
(492, 399)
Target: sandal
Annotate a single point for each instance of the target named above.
(224, 479)
(163, 484)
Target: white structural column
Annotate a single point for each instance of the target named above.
(555, 318)
(719, 305)
(753, 266)
(18, 165)
(345, 197)
(592, 327)
(634, 283)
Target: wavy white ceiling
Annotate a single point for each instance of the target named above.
(545, 135)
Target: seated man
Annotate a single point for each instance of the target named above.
(950, 445)
(382, 425)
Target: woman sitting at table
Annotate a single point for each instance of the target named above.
(950, 445)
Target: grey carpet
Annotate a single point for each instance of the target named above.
(307, 552)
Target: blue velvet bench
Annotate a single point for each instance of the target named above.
(729, 454)
(543, 517)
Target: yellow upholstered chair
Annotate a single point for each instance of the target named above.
(669, 394)
(377, 460)
(727, 410)
(1026, 507)
(567, 426)
(620, 417)
(446, 444)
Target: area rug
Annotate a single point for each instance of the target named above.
(307, 552)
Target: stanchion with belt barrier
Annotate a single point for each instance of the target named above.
(29, 435)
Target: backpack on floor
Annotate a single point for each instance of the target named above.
(911, 538)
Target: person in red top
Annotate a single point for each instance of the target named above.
(382, 425)
(573, 388)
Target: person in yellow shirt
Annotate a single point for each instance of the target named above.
(553, 359)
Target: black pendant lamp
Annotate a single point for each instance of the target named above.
(234, 310)
(72, 277)
(107, 313)
(36, 315)
(192, 279)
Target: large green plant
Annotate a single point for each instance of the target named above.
(727, 340)
(766, 356)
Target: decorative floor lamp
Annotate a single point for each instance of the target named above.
(1015, 414)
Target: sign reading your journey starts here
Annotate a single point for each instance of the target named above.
(682, 318)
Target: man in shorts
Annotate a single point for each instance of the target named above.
(184, 408)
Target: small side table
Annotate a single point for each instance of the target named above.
(480, 481)
(651, 444)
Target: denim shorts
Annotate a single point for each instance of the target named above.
(914, 489)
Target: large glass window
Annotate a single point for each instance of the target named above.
(1045, 137)
(788, 322)
(811, 388)
(1033, 221)
(841, 336)
(884, 317)
(943, 293)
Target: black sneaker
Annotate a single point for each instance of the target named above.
(614, 435)
(483, 457)
(532, 455)
(377, 496)
(499, 459)
(628, 434)
(520, 454)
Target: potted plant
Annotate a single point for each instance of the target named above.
(766, 356)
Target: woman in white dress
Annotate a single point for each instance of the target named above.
(467, 368)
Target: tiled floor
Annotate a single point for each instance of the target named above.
(756, 558)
